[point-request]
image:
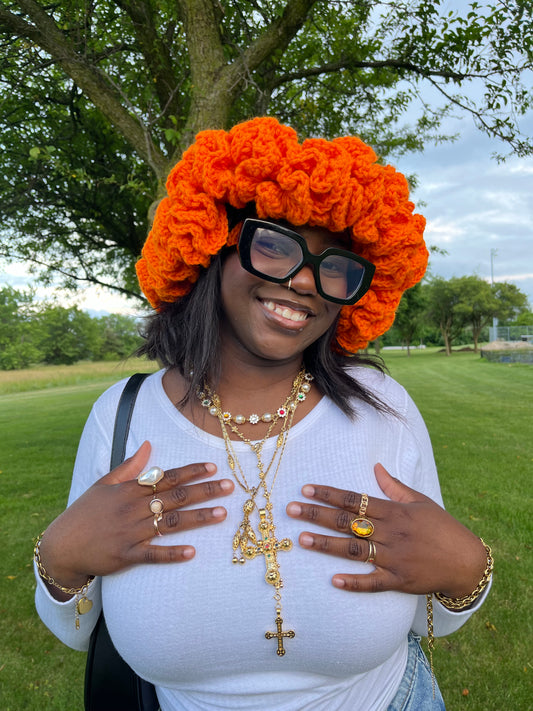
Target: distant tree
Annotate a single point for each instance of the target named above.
(119, 336)
(411, 314)
(477, 306)
(523, 319)
(511, 302)
(443, 298)
(68, 335)
(18, 332)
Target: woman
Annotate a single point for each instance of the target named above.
(277, 450)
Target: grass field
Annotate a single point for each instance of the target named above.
(479, 417)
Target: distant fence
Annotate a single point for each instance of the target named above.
(509, 356)
(511, 333)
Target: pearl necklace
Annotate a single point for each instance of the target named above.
(206, 398)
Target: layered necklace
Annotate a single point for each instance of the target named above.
(247, 544)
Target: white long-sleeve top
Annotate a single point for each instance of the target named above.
(197, 629)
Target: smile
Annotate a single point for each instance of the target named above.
(285, 311)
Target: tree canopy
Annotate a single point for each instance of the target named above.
(99, 99)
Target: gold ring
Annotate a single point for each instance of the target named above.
(363, 505)
(371, 557)
(156, 527)
(361, 527)
(157, 507)
(151, 477)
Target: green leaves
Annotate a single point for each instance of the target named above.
(98, 100)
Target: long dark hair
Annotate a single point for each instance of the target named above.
(185, 335)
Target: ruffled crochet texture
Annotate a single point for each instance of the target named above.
(333, 184)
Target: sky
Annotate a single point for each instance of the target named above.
(478, 210)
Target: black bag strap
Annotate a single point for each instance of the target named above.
(123, 418)
(110, 684)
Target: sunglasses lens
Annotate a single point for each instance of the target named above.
(274, 254)
(340, 276)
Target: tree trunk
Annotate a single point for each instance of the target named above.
(447, 344)
(475, 337)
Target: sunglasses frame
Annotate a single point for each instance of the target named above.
(244, 247)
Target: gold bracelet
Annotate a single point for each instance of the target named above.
(83, 604)
(455, 603)
(459, 603)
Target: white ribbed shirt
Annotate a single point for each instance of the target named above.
(197, 629)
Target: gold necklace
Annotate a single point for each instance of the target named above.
(245, 539)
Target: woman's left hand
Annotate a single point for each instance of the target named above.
(419, 547)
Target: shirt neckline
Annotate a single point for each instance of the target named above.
(217, 441)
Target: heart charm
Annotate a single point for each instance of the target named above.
(84, 605)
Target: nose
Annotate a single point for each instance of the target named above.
(303, 282)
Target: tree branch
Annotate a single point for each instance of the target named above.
(88, 77)
(350, 63)
(276, 37)
(155, 52)
(75, 277)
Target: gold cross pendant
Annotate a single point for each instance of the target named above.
(279, 635)
(268, 546)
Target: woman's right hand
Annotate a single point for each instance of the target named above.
(111, 527)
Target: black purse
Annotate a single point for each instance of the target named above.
(110, 683)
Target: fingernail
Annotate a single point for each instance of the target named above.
(338, 582)
(226, 485)
(188, 552)
(306, 540)
(210, 467)
(308, 490)
(294, 509)
(219, 512)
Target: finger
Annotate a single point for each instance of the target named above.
(181, 496)
(186, 474)
(377, 581)
(337, 519)
(352, 548)
(394, 489)
(130, 467)
(151, 554)
(340, 498)
(174, 521)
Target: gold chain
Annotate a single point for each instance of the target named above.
(455, 603)
(459, 603)
(83, 604)
(245, 539)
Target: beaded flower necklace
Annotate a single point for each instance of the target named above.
(247, 545)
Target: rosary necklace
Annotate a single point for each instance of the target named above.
(246, 543)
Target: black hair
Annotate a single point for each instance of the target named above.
(185, 335)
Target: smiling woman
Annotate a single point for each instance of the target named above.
(269, 265)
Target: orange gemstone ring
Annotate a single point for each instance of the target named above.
(361, 527)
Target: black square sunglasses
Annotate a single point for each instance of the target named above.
(277, 254)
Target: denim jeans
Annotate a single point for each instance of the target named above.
(415, 692)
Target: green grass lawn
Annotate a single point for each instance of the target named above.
(479, 417)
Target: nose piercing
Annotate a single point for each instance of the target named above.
(289, 284)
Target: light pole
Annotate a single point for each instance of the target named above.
(493, 253)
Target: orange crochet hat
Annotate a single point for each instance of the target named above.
(333, 184)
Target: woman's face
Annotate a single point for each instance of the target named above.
(269, 321)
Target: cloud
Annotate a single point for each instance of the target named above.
(474, 205)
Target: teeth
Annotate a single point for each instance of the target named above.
(285, 312)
